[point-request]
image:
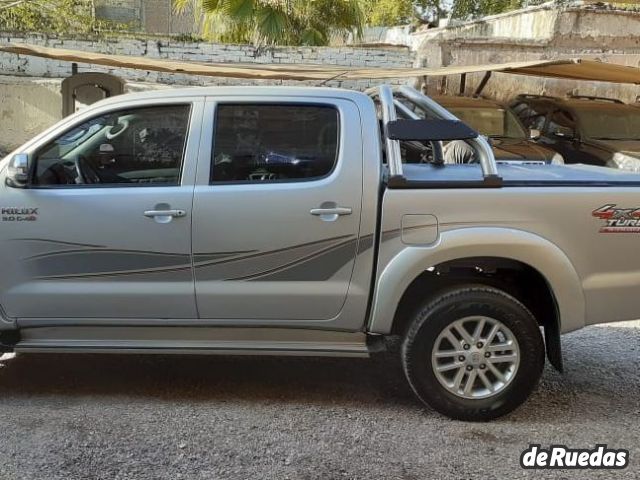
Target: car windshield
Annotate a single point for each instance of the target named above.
(492, 122)
(610, 122)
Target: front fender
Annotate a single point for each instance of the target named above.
(533, 250)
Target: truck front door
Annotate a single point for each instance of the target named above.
(104, 228)
(276, 211)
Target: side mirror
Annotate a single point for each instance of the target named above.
(18, 171)
(534, 134)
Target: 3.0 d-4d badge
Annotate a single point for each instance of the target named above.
(12, 214)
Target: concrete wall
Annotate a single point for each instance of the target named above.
(150, 16)
(30, 105)
(538, 33)
(120, 11)
(27, 106)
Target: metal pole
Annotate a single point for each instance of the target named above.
(482, 84)
(463, 83)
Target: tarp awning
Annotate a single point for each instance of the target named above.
(573, 69)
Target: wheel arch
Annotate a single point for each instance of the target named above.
(500, 248)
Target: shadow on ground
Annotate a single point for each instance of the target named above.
(600, 362)
(203, 417)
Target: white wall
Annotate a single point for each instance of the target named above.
(11, 64)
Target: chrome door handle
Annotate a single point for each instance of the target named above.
(164, 213)
(319, 212)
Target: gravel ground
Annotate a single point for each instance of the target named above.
(157, 417)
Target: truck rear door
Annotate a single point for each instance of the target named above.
(276, 211)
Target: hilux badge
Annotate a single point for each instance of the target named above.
(618, 220)
(14, 214)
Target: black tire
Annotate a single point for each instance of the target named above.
(436, 315)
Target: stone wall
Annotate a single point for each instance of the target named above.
(11, 64)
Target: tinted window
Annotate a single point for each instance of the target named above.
(492, 122)
(268, 143)
(609, 122)
(136, 146)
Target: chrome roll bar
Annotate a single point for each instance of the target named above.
(487, 158)
(394, 157)
(389, 105)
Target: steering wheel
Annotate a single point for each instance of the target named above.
(86, 173)
(123, 126)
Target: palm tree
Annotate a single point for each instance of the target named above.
(275, 22)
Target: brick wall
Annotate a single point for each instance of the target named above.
(11, 64)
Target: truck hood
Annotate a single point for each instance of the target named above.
(521, 174)
(520, 149)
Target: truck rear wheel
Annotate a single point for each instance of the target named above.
(474, 353)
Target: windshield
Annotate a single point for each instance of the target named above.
(613, 122)
(491, 122)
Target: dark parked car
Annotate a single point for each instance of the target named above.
(584, 129)
(509, 138)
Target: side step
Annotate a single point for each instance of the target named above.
(196, 340)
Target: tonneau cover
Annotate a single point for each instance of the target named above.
(520, 174)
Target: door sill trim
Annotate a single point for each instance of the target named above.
(194, 340)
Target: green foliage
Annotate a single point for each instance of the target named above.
(275, 22)
(389, 12)
(403, 12)
(468, 9)
(49, 16)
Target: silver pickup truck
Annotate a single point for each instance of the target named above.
(288, 221)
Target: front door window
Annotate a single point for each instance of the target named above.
(128, 147)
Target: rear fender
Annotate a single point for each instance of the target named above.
(526, 247)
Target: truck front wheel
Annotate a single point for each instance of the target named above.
(473, 353)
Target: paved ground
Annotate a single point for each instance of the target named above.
(73, 417)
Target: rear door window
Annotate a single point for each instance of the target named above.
(274, 143)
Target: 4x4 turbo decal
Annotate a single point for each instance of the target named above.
(619, 220)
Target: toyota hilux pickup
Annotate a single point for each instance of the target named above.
(286, 221)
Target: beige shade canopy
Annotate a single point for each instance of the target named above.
(574, 69)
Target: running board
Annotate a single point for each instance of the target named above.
(195, 340)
